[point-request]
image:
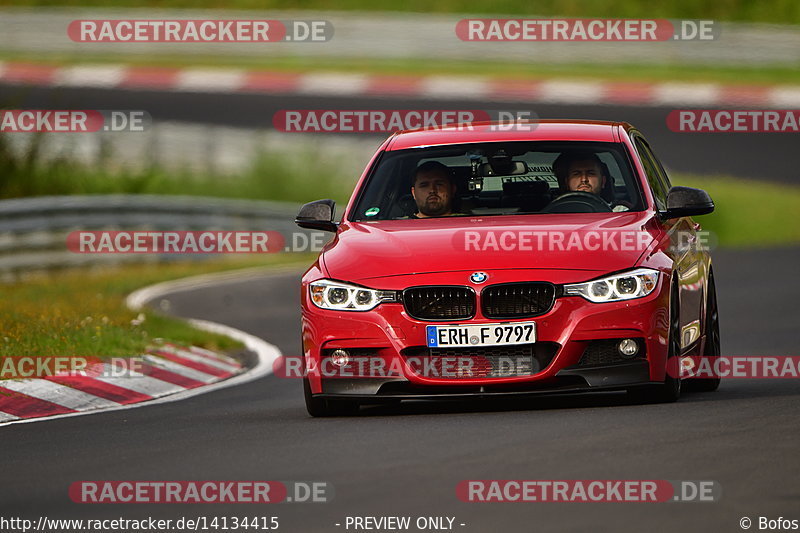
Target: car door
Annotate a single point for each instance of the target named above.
(687, 256)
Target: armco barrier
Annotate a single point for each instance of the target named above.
(33, 231)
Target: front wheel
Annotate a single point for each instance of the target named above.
(323, 407)
(712, 346)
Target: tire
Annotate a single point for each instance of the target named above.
(670, 391)
(712, 346)
(325, 407)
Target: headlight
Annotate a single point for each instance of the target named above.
(627, 286)
(329, 294)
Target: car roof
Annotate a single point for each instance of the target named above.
(539, 130)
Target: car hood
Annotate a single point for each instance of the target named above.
(588, 242)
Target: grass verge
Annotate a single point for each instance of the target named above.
(83, 313)
(272, 176)
(748, 213)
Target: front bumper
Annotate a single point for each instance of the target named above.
(569, 380)
(570, 327)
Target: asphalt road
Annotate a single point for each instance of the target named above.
(407, 460)
(758, 156)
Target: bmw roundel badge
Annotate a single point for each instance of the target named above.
(478, 277)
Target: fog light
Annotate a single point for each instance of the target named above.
(340, 357)
(628, 347)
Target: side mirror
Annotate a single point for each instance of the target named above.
(317, 215)
(687, 202)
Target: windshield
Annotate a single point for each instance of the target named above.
(495, 179)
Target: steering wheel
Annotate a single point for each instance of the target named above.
(578, 202)
(406, 204)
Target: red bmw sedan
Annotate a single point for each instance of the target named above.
(487, 259)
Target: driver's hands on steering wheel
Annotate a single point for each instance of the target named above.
(589, 200)
(621, 206)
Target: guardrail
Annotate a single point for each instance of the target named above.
(33, 231)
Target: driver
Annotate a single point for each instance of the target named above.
(433, 188)
(584, 172)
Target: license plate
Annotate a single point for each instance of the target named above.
(459, 335)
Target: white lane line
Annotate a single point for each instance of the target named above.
(185, 371)
(333, 83)
(5, 417)
(214, 355)
(222, 365)
(138, 298)
(686, 94)
(90, 76)
(571, 92)
(58, 394)
(784, 97)
(210, 80)
(449, 87)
